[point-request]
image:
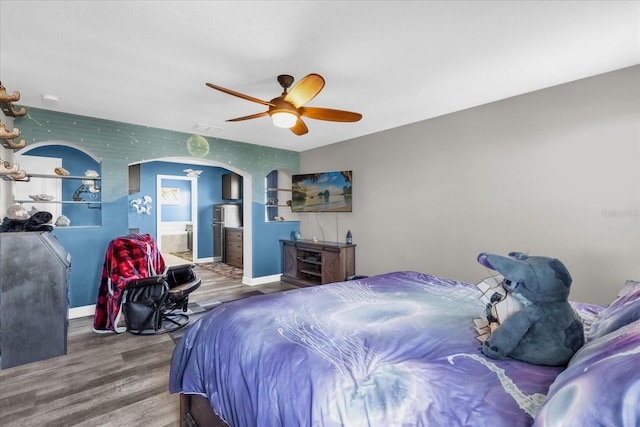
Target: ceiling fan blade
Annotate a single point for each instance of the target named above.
(299, 128)
(238, 94)
(253, 116)
(305, 90)
(329, 114)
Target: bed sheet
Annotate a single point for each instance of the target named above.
(398, 349)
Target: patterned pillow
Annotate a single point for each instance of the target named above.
(624, 310)
(601, 385)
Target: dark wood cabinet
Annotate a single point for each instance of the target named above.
(231, 186)
(305, 263)
(233, 247)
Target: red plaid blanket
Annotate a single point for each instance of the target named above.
(127, 258)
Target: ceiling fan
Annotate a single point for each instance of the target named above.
(287, 110)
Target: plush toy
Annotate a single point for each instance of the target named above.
(545, 330)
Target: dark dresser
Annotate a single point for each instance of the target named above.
(233, 246)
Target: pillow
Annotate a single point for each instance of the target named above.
(624, 310)
(629, 286)
(601, 385)
(588, 313)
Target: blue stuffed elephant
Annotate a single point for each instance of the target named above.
(546, 330)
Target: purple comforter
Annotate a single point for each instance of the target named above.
(397, 349)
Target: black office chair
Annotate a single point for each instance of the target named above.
(135, 282)
(158, 304)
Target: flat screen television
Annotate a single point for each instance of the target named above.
(321, 192)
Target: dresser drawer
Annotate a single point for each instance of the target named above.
(234, 236)
(235, 260)
(233, 248)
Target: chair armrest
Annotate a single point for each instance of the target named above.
(147, 281)
(184, 289)
(179, 267)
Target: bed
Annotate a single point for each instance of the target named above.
(398, 349)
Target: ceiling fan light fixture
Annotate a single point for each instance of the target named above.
(284, 119)
(287, 110)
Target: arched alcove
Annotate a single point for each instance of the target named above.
(209, 187)
(278, 196)
(63, 179)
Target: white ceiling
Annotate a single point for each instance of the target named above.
(396, 62)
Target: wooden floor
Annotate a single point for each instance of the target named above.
(105, 379)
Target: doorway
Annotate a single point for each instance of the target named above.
(176, 216)
(147, 177)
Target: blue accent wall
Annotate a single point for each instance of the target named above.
(119, 144)
(209, 193)
(264, 235)
(87, 247)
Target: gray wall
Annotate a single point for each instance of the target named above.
(553, 172)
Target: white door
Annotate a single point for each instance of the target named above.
(39, 186)
(174, 235)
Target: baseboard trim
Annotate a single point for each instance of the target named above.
(85, 311)
(203, 260)
(254, 281)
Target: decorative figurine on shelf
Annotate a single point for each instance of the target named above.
(349, 238)
(91, 184)
(62, 221)
(60, 171)
(17, 211)
(88, 186)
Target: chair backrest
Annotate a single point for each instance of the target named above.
(135, 256)
(127, 259)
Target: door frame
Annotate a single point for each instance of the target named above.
(194, 209)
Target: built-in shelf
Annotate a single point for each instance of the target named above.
(39, 175)
(277, 195)
(97, 203)
(64, 202)
(8, 178)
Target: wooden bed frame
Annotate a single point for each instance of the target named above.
(195, 411)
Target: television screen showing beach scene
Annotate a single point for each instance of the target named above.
(322, 192)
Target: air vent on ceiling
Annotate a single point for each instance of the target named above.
(206, 128)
